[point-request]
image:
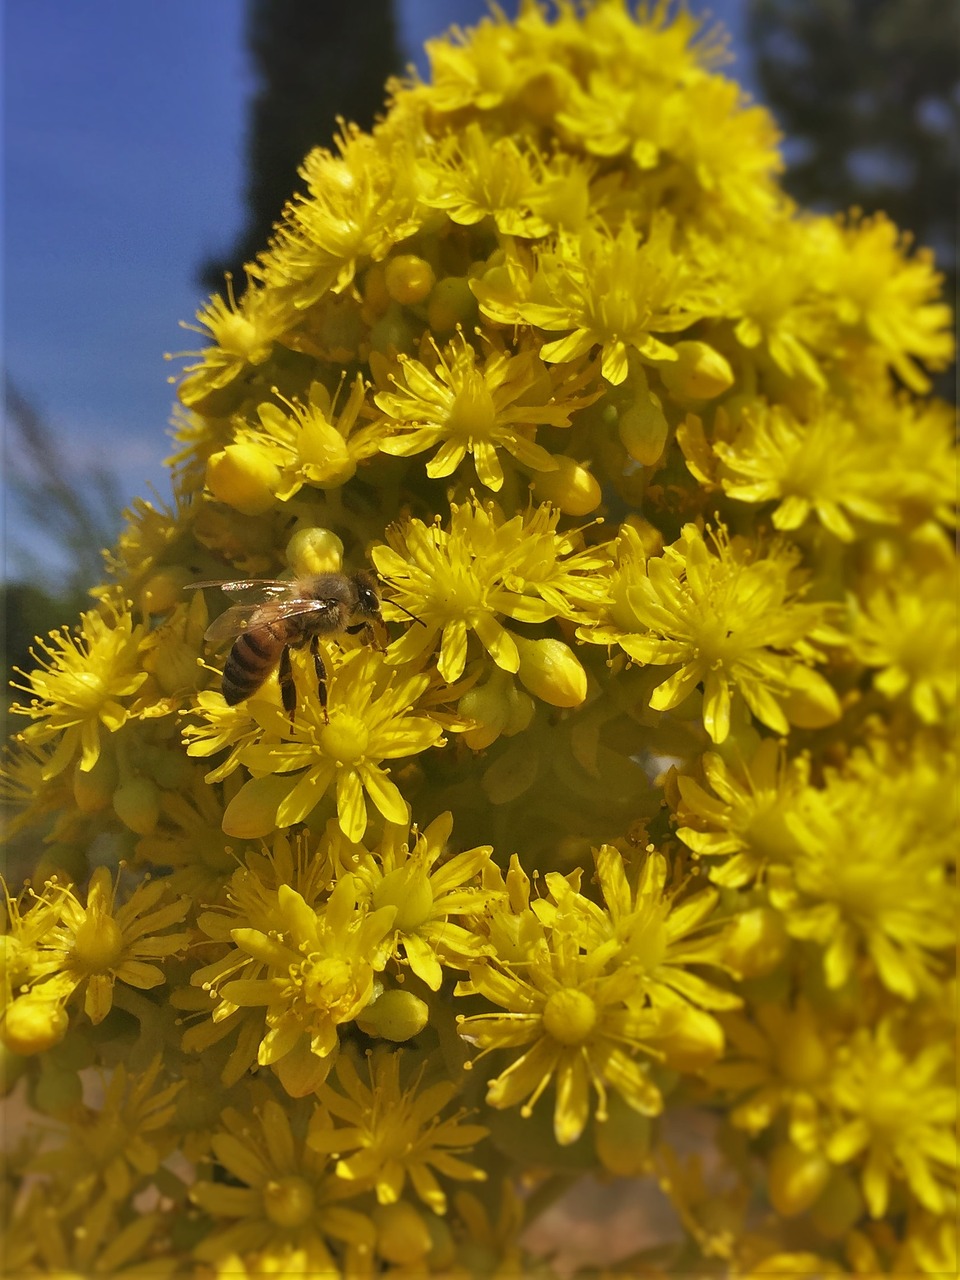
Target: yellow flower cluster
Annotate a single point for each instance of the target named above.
(583, 759)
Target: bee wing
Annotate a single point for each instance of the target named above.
(263, 588)
(240, 617)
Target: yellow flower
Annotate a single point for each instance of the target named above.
(353, 209)
(244, 335)
(466, 407)
(826, 465)
(458, 582)
(872, 875)
(125, 1140)
(767, 285)
(317, 966)
(712, 150)
(282, 1200)
(425, 896)
(79, 687)
(473, 177)
(313, 443)
(744, 820)
(732, 618)
(779, 1060)
(102, 943)
(886, 298)
(368, 721)
(899, 1115)
(393, 1132)
(588, 988)
(71, 1232)
(613, 291)
(909, 631)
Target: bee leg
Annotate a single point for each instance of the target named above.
(288, 689)
(366, 633)
(321, 675)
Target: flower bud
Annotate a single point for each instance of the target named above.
(164, 589)
(795, 1179)
(409, 279)
(393, 332)
(698, 373)
(643, 429)
(402, 1235)
(136, 802)
(497, 706)
(314, 550)
(550, 671)
(93, 790)
(756, 942)
(839, 1207)
(691, 1039)
(242, 476)
(375, 296)
(571, 487)
(33, 1024)
(396, 1015)
(451, 303)
(802, 1057)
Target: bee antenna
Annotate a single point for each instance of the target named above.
(408, 613)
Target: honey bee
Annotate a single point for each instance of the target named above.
(291, 615)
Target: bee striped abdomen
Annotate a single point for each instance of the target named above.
(254, 655)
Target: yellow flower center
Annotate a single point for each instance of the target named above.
(473, 414)
(345, 739)
(87, 690)
(289, 1201)
(98, 943)
(569, 1016)
(328, 982)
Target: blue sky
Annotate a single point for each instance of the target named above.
(123, 127)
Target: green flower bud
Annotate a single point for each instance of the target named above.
(93, 789)
(498, 707)
(839, 1207)
(795, 1179)
(756, 942)
(56, 1092)
(451, 304)
(396, 1015)
(393, 332)
(12, 1067)
(403, 1237)
(136, 802)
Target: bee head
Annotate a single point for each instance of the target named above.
(368, 596)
